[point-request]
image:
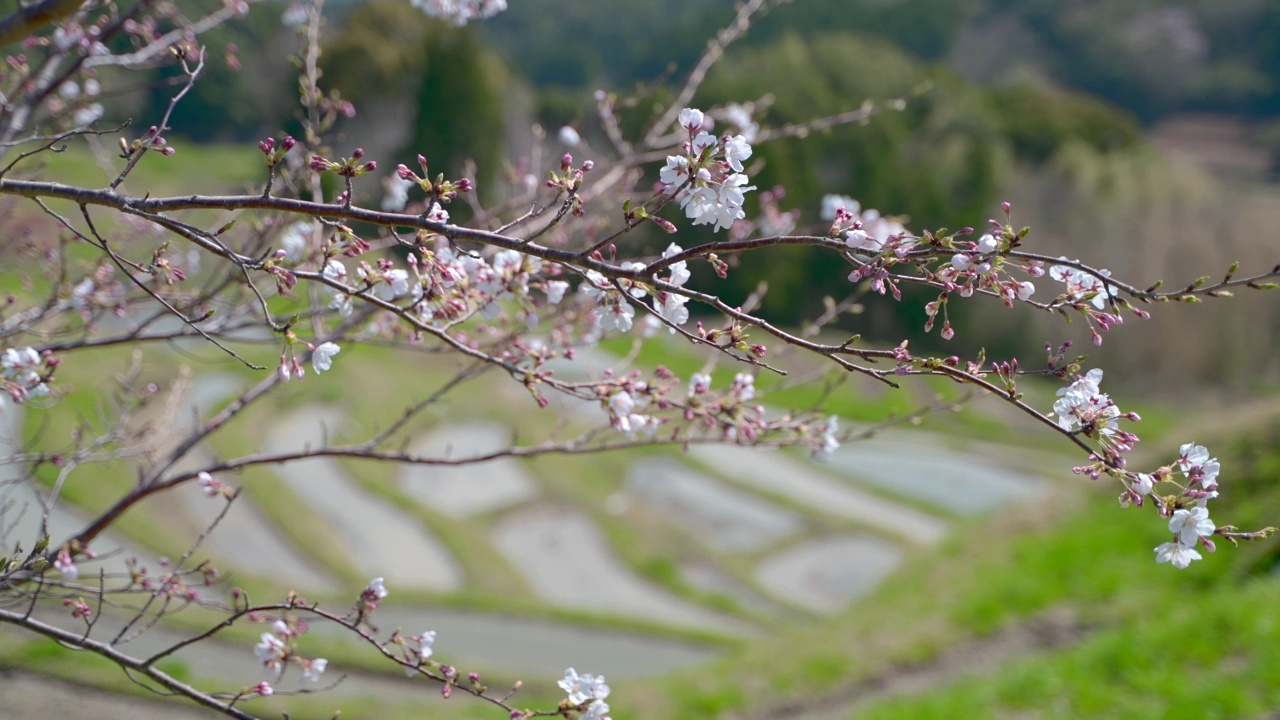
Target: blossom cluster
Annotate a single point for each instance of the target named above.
(1188, 509)
(613, 312)
(1084, 286)
(443, 285)
(708, 177)
(277, 647)
(21, 375)
(623, 415)
(1082, 407)
(460, 12)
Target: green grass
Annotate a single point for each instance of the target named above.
(194, 168)
(1213, 653)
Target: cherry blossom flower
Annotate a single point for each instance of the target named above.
(396, 191)
(313, 669)
(675, 172)
(736, 149)
(64, 564)
(210, 485)
(617, 316)
(699, 383)
(699, 204)
(635, 423)
(621, 403)
(270, 651)
(691, 119)
(831, 204)
(322, 357)
(425, 642)
(679, 270)
(828, 443)
(674, 310)
(738, 116)
(555, 290)
(1191, 455)
(1081, 284)
(649, 326)
(583, 688)
(396, 285)
(703, 141)
(336, 271)
(1082, 406)
(88, 115)
(568, 136)
(1179, 555)
(294, 241)
(596, 287)
(1191, 525)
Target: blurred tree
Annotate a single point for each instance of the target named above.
(431, 88)
(246, 86)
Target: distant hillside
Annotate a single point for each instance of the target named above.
(1151, 57)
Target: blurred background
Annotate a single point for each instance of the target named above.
(1141, 134)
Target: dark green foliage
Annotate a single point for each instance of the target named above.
(378, 52)
(387, 51)
(1037, 121)
(1150, 57)
(226, 103)
(460, 107)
